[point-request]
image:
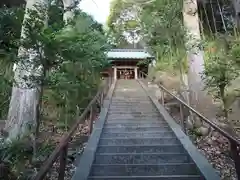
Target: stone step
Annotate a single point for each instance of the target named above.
(127, 123)
(138, 141)
(140, 129)
(133, 109)
(130, 127)
(131, 98)
(132, 119)
(155, 114)
(127, 116)
(138, 105)
(144, 169)
(125, 102)
(155, 122)
(130, 109)
(141, 158)
(152, 148)
(168, 177)
(166, 134)
(131, 102)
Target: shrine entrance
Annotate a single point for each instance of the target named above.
(125, 73)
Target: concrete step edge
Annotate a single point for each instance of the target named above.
(139, 138)
(123, 154)
(136, 177)
(159, 164)
(140, 132)
(147, 145)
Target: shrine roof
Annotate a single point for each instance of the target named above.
(129, 54)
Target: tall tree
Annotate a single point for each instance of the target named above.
(25, 93)
(194, 51)
(123, 22)
(236, 6)
(69, 6)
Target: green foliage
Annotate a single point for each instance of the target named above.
(164, 32)
(82, 51)
(123, 22)
(157, 23)
(235, 51)
(71, 57)
(221, 70)
(17, 158)
(10, 26)
(67, 61)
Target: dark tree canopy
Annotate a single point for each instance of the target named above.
(12, 3)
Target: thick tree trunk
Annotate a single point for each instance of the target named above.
(22, 116)
(236, 6)
(69, 6)
(195, 54)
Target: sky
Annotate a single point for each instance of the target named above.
(99, 9)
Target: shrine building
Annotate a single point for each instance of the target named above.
(126, 63)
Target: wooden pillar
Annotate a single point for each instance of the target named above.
(115, 73)
(136, 72)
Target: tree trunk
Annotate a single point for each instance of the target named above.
(69, 6)
(194, 53)
(22, 115)
(236, 6)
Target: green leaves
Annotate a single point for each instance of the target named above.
(10, 27)
(71, 58)
(221, 70)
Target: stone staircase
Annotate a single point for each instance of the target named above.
(137, 143)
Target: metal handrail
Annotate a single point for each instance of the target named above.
(212, 124)
(234, 142)
(61, 150)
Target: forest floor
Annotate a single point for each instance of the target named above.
(49, 137)
(75, 148)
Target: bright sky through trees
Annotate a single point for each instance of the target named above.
(99, 9)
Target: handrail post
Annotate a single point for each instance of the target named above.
(101, 98)
(162, 97)
(91, 118)
(236, 157)
(182, 118)
(63, 162)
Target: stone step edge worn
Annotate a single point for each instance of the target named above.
(159, 164)
(140, 132)
(161, 176)
(122, 154)
(138, 138)
(132, 127)
(147, 145)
